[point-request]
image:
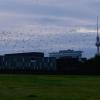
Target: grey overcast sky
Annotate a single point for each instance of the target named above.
(48, 25)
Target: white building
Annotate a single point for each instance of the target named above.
(66, 54)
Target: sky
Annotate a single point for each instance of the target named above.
(48, 25)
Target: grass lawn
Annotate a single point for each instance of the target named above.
(49, 87)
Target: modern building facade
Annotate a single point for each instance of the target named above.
(66, 54)
(27, 62)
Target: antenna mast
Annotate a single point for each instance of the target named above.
(97, 39)
(97, 27)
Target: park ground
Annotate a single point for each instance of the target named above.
(49, 87)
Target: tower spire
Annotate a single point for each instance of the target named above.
(97, 39)
(97, 27)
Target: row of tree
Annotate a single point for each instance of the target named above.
(74, 66)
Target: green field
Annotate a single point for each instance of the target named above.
(49, 87)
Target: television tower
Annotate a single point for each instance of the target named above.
(98, 40)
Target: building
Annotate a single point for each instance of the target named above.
(67, 60)
(20, 61)
(27, 62)
(66, 54)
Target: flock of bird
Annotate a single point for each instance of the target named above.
(30, 41)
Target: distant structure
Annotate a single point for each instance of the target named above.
(66, 54)
(27, 62)
(97, 41)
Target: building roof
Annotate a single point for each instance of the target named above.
(38, 54)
